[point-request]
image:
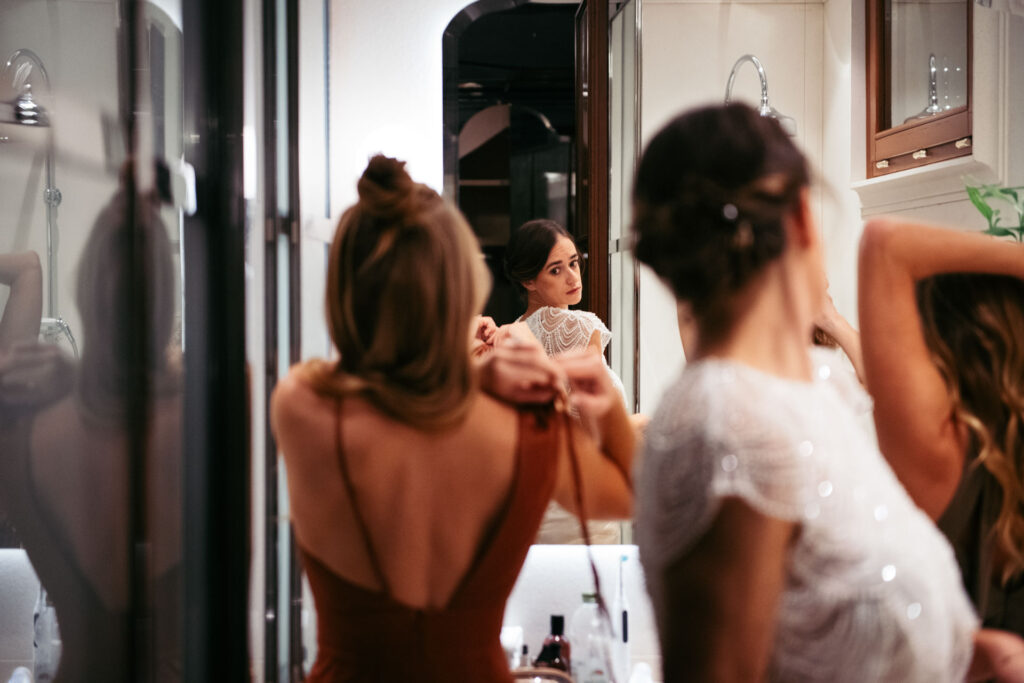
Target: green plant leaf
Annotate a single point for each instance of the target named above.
(979, 202)
(1001, 232)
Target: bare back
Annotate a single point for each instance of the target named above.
(428, 499)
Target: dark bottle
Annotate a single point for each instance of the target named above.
(556, 652)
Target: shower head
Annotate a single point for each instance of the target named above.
(788, 123)
(23, 109)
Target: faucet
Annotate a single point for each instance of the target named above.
(25, 111)
(788, 123)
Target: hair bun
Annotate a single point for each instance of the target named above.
(385, 187)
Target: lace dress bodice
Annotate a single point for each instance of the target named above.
(560, 330)
(872, 591)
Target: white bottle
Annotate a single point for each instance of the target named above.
(46, 639)
(620, 626)
(591, 639)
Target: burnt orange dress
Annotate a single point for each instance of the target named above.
(366, 635)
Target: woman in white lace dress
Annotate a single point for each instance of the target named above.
(776, 541)
(542, 260)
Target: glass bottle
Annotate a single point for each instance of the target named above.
(556, 653)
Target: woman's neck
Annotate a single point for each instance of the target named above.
(770, 327)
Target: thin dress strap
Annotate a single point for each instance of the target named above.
(581, 515)
(350, 490)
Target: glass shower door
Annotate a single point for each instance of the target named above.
(122, 521)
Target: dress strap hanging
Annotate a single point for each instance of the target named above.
(354, 501)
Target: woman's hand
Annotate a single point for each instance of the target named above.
(998, 655)
(483, 336)
(486, 330)
(33, 375)
(518, 371)
(591, 391)
(832, 322)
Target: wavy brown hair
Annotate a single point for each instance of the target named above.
(974, 328)
(405, 277)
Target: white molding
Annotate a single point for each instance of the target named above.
(943, 183)
(940, 183)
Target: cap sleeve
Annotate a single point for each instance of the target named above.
(712, 449)
(560, 330)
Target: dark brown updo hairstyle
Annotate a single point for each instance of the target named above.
(711, 194)
(405, 277)
(973, 325)
(528, 250)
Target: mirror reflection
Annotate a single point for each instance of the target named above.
(928, 58)
(91, 383)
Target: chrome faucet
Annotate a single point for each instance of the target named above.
(788, 123)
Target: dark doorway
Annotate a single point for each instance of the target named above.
(510, 125)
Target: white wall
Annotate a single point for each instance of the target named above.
(689, 48)
(386, 88)
(84, 87)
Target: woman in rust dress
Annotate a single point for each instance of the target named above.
(414, 495)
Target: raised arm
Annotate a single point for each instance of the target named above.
(839, 328)
(23, 312)
(604, 448)
(722, 597)
(913, 411)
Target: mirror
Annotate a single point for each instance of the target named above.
(509, 126)
(512, 127)
(928, 60)
(919, 83)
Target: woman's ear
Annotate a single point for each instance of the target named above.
(530, 285)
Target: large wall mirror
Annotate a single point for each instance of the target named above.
(919, 83)
(525, 121)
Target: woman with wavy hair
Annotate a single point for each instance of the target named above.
(414, 495)
(942, 314)
(776, 541)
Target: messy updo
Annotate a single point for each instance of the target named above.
(404, 278)
(711, 194)
(973, 324)
(528, 249)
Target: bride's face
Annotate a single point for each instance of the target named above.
(559, 283)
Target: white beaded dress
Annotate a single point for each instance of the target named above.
(872, 590)
(560, 330)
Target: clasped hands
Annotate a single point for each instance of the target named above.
(515, 368)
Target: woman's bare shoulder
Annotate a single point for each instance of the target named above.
(294, 401)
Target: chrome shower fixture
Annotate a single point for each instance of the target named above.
(25, 111)
(933, 107)
(788, 123)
